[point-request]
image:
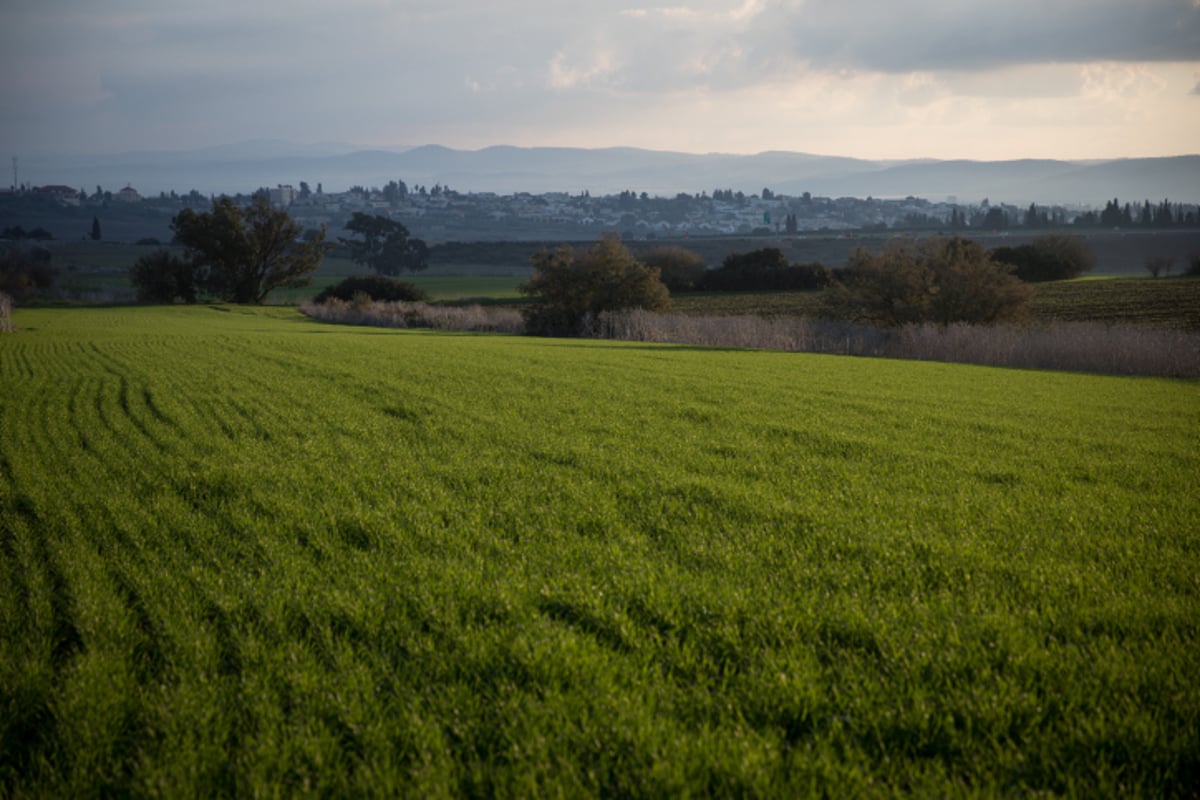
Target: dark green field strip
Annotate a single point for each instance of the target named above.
(1169, 301)
(248, 554)
(1172, 302)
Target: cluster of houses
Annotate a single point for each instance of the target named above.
(70, 196)
(442, 214)
(446, 214)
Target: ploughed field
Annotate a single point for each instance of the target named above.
(245, 553)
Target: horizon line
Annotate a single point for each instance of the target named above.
(348, 148)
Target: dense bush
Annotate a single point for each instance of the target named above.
(937, 280)
(377, 287)
(680, 270)
(766, 269)
(23, 272)
(1053, 257)
(17, 232)
(568, 287)
(161, 277)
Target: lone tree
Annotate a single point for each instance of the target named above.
(567, 286)
(244, 254)
(938, 280)
(385, 246)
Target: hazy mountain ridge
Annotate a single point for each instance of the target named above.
(507, 169)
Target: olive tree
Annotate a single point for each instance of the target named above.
(567, 287)
(246, 253)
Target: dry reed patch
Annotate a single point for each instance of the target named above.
(398, 314)
(6, 306)
(1070, 346)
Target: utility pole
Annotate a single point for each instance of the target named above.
(15, 183)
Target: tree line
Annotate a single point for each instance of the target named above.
(240, 254)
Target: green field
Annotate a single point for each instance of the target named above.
(244, 553)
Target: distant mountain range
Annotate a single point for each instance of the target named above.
(505, 170)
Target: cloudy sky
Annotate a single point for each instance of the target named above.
(979, 79)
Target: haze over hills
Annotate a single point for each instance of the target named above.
(247, 166)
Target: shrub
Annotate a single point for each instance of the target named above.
(1053, 257)
(680, 270)
(1193, 270)
(161, 277)
(568, 288)
(376, 287)
(766, 269)
(938, 280)
(24, 272)
(18, 232)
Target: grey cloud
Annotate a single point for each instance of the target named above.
(397, 69)
(942, 34)
(657, 49)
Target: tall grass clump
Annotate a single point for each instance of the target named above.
(790, 334)
(398, 314)
(5, 313)
(1073, 346)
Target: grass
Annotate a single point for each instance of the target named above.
(245, 553)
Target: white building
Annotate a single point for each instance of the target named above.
(282, 196)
